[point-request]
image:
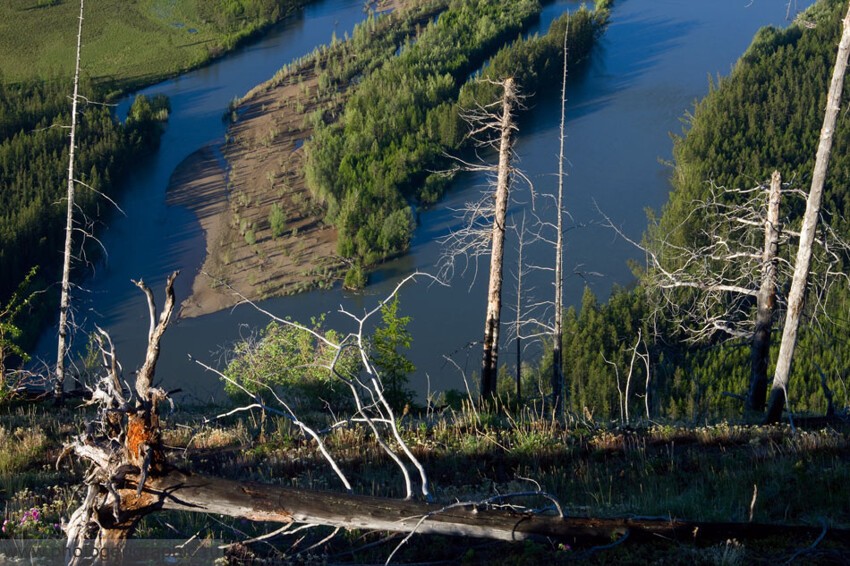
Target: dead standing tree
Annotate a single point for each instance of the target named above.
(490, 354)
(765, 300)
(485, 220)
(65, 299)
(726, 280)
(558, 333)
(779, 388)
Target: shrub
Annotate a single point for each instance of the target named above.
(277, 221)
(295, 362)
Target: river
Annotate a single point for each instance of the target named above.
(650, 66)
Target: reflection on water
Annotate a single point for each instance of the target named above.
(648, 68)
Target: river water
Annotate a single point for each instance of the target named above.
(648, 68)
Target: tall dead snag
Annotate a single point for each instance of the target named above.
(557, 335)
(796, 296)
(490, 358)
(766, 300)
(65, 299)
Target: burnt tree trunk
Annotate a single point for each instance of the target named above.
(558, 334)
(796, 296)
(65, 298)
(766, 299)
(490, 358)
(109, 511)
(259, 502)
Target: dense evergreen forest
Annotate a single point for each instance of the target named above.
(766, 115)
(379, 158)
(34, 166)
(35, 113)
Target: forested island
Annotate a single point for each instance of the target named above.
(299, 217)
(662, 445)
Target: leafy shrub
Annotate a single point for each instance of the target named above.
(355, 277)
(277, 221)
(295, 363)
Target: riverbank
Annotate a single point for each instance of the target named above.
(248, 253)
(267, 235)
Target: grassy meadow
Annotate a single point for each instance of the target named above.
(706, 473)
(125, 43)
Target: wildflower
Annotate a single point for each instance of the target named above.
(5, 522)
(32, 515)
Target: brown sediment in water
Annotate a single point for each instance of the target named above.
(265, 167)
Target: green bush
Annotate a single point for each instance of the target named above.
(355, 277)
(293, 361)
(277, 221)
(394, 367)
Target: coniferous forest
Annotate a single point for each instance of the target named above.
(635, 430)
(765, 115)
(34, 116)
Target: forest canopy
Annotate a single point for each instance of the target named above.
(379, 159)
(765, 116)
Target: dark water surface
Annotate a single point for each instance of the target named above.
(647, 70)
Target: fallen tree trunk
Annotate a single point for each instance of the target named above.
(260, 502)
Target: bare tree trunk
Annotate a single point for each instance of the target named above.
(519, 315)
(259, 502)
(766, 300)
(65, 300)
(494, 293)
(779, 388)
(557, 335)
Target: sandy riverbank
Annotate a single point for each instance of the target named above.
(199, 183)
(264, 161)
(246, 253)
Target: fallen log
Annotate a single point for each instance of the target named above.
(129, 476)
(183, 491)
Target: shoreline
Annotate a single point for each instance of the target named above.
(233, 193)
(199, 183)
(265, 232)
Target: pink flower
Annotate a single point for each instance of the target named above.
(5, 522)
(32, 514)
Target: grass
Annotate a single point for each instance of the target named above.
(707, 473)
(125, 44)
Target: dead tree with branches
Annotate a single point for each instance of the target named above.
(490, 354)
(485, 221)
(727, 282)
(65, 299)
(802, 265)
